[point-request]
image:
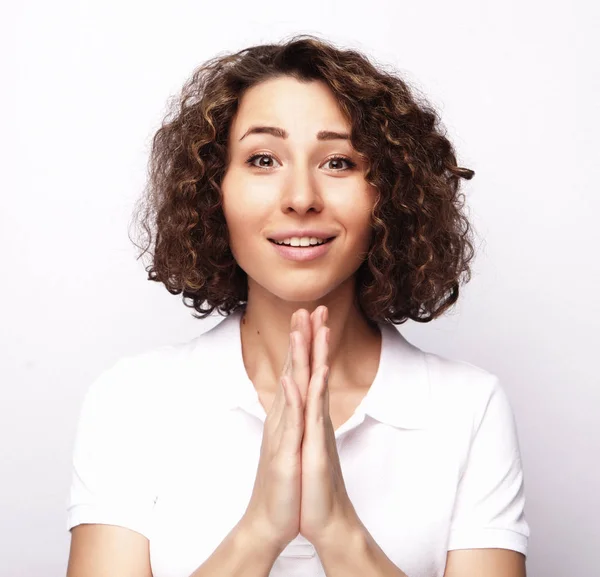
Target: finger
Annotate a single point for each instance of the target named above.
(293, 401)
(318, 318)
(314, 329)
(301, 357)
(304, 326)
(325, 393)
(293, 417)
(287, 365)
(317, 417)
(275, 415)
(279, 401)
(321, 348)
(317, 403)
(319, 315)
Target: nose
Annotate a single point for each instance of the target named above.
(301, 193)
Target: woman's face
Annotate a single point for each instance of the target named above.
(288, 178)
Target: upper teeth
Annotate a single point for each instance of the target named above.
(301, 241)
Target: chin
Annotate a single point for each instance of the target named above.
(308, 296)
(300, 294)
(298, 286)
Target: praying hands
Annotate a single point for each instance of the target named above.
(299, 486)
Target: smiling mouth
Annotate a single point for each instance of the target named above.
(302, 246)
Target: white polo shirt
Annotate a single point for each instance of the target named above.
(168, 443)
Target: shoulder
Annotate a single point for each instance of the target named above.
(140, 375)
(464, 396)
(460, 384)
(468, 404)
(158, 379)
(448, 385)
(163, 386)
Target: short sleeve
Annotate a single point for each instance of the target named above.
(489, 506)
(111, 480)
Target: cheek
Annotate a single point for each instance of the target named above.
(240, 227)
(357, 218)
(246, 199)
(245, 221)
(236, 207)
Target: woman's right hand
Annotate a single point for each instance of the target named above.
(274, 507)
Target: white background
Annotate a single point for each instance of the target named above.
(84, 86)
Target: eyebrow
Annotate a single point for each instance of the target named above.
(281, 133)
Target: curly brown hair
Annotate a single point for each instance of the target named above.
(421, 242)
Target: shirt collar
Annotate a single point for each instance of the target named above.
(399, 395)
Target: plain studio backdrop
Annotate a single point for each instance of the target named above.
(84, 87)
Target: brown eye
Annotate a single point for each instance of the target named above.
(263, 161)
(337, 161)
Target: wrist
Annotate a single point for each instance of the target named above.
(252, 533)
(340, 535)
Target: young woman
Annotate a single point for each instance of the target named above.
(311, 199)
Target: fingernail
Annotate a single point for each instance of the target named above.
(325, 315)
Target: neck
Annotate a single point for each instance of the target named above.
(265, 331)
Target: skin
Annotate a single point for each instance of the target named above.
(301, 187)
(327, 517)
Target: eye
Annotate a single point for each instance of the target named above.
(262, 155)
(338, 159)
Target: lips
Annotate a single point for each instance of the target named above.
(304, 246)
(321, 233)
(302, 253)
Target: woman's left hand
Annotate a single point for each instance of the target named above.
(325, 505)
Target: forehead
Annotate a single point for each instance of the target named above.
(299, 107)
